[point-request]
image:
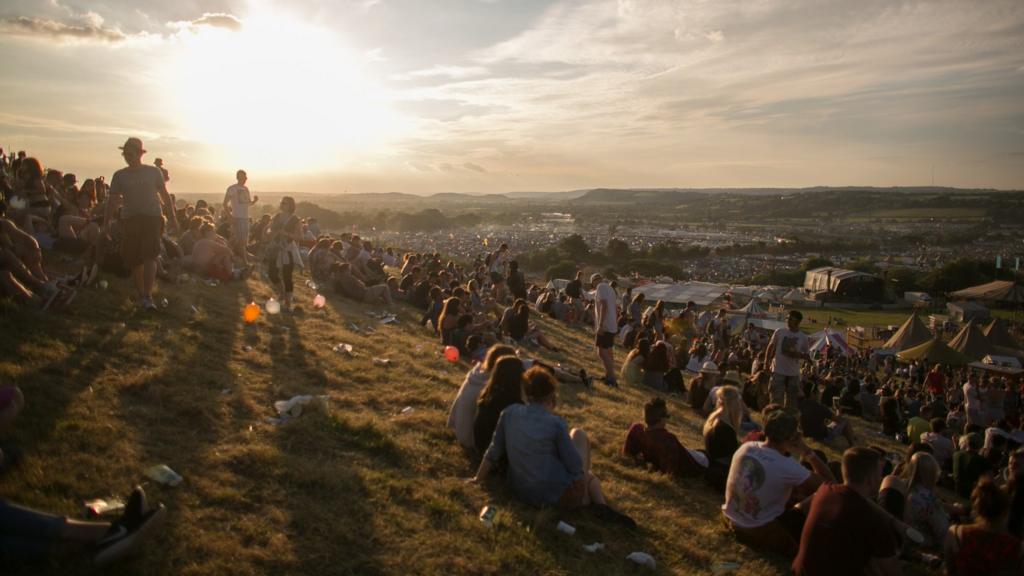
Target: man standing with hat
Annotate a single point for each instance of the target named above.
(606, 325)
(141, 193)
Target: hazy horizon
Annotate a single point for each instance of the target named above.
(471, 96)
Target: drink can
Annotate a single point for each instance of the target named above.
(487, 515)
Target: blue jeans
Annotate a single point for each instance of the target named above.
(26, 534)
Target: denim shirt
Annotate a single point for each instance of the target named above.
(542, 460)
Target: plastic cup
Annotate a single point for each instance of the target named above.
(272, 306)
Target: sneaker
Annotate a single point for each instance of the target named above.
(122, 541)
(607, 514)
(611, 382)
(147, 304)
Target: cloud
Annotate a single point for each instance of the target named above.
(715, 36)
(219, 20)
(474, 167)
(90, 29)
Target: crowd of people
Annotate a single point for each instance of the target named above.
(761, 396)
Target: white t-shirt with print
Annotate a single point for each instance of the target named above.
(237, 196)
(759, 485)
(788, 345)
(605, 293)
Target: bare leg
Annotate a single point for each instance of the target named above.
(148, 277)
(582, 443)
(609, 362)
(9, 285)
(82, 531)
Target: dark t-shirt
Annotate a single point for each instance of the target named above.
(813, 418)
(721, 443)
(841, 535)
(574, 289)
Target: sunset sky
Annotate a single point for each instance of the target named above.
(513, 95)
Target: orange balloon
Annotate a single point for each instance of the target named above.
(451, 354)
(251, 312)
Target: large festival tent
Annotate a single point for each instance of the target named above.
(934, 351)
(842, 282)
(700, 293)
(912, 333)
(831, 338)
(1005, 291)
(971, 342)
(999, 336)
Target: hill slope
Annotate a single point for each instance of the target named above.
(364, 489)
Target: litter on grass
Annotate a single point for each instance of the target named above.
(593, 548)
(104, 506)
(343, 348)
(407, 410)
(566, 528)
(720, 568)
(643, 559)
(163, 474)
(295, 406)
(382, 362)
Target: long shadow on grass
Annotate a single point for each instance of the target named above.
(53, 386)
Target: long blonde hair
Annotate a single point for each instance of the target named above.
(728, 408)
(923, 470)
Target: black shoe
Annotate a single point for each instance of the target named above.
(587, 381)
(607, 514)
(121, 541)
(611, 382)
(135, 510)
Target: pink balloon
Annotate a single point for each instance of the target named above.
(319, 301)
(451, 354)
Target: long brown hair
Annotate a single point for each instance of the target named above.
(505, 386)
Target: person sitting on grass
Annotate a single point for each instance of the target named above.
(515, 323)
(846, 532)
(761, 480)
(547, 463)
(351, 287)
(462, 414)
(820, 423)
(503, 388)
(942, 446)
(632, 367)
(211, 254)
(722, 433)
(656, 365)
(28, 535)
(984, 548)
(651, 442)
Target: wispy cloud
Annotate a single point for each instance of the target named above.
(43, 28)
(218, 20)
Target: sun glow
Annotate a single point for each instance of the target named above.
(277, 95)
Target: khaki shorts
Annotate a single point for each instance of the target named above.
(141, 240)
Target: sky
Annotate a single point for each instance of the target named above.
(490, 96)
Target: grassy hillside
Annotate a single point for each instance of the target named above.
(362, 489)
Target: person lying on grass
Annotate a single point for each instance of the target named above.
(547, 464)
(28, 535)
(346, 284)
(651, 442)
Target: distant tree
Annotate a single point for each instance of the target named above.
(564, 269)
(648, 267)
(610, 273)
(575, 247)
(863, 265)
(958, 275)
(618, 250)
(817, 262)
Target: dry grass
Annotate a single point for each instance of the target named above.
(362, 489)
